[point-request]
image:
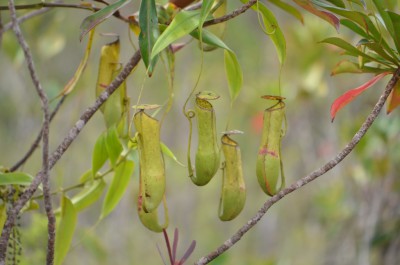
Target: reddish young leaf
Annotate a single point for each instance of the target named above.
(350, 95)
(394, 98)
(329, 17)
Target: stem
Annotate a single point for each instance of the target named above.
(307, 179)
(43, 4)
(57, 154)
(45, 136)
(62, 5)
(23, 18)
(231, 15)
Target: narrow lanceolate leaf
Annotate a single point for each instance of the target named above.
(350, 49)
(329, 17)
(149, 32)
(204, 12)
(90, 194)
(69, 87)
(350, 95)
(100, 154)
(232, 67)
(233, 73)
(113, 146)
(380, 6)
(395, 18)
(273, 29)
(338, 3)
(289, 9)
(65, 230)
(15, 178)
(220, 28)
(93, 20)
(394, 98)
(169, 153)
(118, 187)
(182, 24)
(346, 66)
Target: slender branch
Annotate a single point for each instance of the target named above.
(56, 155)
(194, 6)
(307, 179)
(231, 15)
(35, 144)
(46, 121)
(1, 29)
(21, 19)
(42, 5)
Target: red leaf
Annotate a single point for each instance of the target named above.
(329, 17)
(394, 98)
(350, 95)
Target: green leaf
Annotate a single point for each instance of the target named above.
(210, 39)
(346, 66)
(338, 3)
(65, 230)
(289, 9)
(378, 49)
(118, 187)
(169, 153)
(100, 154)
(354, 27)
(360, 18)
(93, 20)
(353, 51)
(149, 32)
(205, 11)
(396, 28)
(385, 17)
(182, 24)
(15, 178)
(87, 176)
(69, 87)
(233, 73)
(273, 29)
(113, 146)
(232, 67)
(89, 195)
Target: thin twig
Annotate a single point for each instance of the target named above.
(194, 6)
(231, 15)
(42, 5)
(46, 120)
(21, 19)
(56, 155)
(307, 179)
(35, 144)
(1, 29)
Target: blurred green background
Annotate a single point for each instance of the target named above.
(349, 216)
